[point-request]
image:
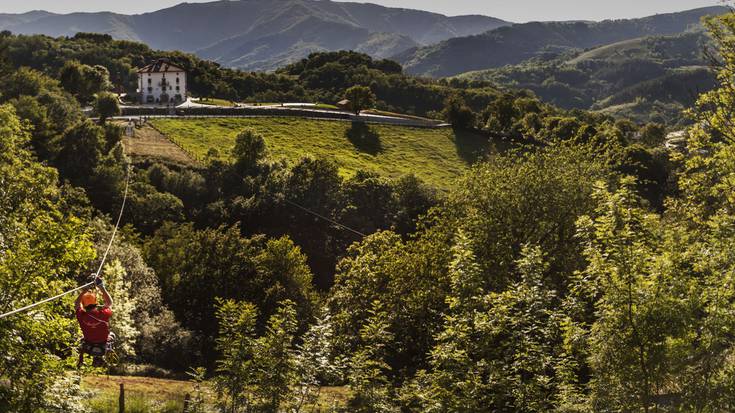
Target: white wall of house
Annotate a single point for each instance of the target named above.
(153, 85)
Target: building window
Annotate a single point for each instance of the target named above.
(150, 89)
(149, 80)
(177, 80)
(177, 88)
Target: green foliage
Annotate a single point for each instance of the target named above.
(370, 386)
(256, 373)
(118, 285)
(458, 113)
(248, 151)
(81, 151)
(647, 79)
(42, 251)
(195, 267)
(498, 351)
(714, 108)
(360, 97)
(106, 105)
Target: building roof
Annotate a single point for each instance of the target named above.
(160, 66)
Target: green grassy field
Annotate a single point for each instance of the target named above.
(438, 156)
(214, 102)
(152, 395)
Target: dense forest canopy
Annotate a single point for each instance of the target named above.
(588, 268)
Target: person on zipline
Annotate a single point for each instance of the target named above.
(94, 321)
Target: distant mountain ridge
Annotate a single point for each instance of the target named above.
(652, 78)
(521, 42)
(263, 34)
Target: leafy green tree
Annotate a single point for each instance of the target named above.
(106, 106)
(195, 267)
(314, 363)
(652, 134)
(26, 82)
(236, 344)
(275, 360)
(43, 249)
(370, 386)
(714, 108)
(255, 373)
(249, 150)
(71, 77)
(81, 151)
(498, 351)
(150, 209)
(360, 97)
(458, 113)
(118, 285)
(96, 80)
(502, 115)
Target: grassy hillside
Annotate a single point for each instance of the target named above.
(437, 156)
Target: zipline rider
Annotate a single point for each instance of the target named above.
(94, 321)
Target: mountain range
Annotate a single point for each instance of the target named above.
(263, 34)
(521, 42)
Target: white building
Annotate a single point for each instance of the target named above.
(162, 82)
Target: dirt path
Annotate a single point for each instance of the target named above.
(148, 143)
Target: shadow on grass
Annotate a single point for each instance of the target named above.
(364, 138)
(471, 145)
(474, 146)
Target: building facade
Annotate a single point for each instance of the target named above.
(162, 82)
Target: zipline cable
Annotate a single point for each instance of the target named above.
(102, 263)
(325, 218)
(316, 214)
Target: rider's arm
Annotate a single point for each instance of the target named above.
(106, 297)
(78, 302)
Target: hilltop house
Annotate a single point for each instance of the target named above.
(162, 82)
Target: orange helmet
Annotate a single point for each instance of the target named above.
(88, 299)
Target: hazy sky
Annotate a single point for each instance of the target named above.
(514, 10)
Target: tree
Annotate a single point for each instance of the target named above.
(42, 249)
(81, 151)
(71, 77)
(314, 363)
(195, 267)
(236, 344)
(498, 351)
(276, 371)
(458, 113)
(255, 373)
(360, 97)
(123, 325)
(106, 105)
(714, 109)
(371, 389)
(249, 150)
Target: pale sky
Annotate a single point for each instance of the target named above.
(512, 10)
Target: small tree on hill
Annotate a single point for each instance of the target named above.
(249, 150)
(458, 113)
(360, 97)
(106, 106)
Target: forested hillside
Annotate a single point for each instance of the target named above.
(321, 77)
(263, 34)
(646, 79)
(586, 268)
(520, 42)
